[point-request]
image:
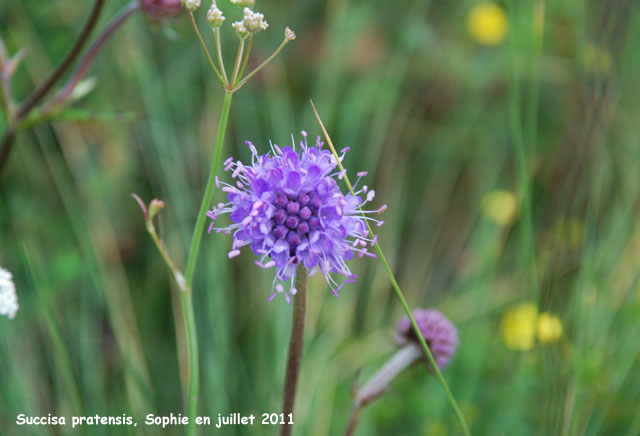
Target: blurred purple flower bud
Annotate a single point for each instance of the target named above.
(161, 9)
(439, 333)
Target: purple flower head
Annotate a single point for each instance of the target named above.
(439, 333)
(288, 208)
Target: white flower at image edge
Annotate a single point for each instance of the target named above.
(8, 299)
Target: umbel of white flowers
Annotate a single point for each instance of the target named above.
(8, 299)
(252, 23)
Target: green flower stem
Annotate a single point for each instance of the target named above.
(206, 50)
(242, 82)
(208, 194)
(236, 67)
(216, 40)
(246, 57)
(399, 294)
(194, 363)
(187, 299)
(296, 343)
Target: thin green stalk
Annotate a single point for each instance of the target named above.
(246, 57)
(208, 194)
(206, 50)
(296, 343)
(259, 67)
(194, 362)
(216, 40)
(399, 294)
(236, 67)
(187, 299)
(154, 207)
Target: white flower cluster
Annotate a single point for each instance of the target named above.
(244, 3)
(214, 16)
(191, 5)
(252, 22)
(8, 299)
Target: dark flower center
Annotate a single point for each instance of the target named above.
(295, 218)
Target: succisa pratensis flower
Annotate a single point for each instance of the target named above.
(439, 333)
(441, 336)
(287, 206)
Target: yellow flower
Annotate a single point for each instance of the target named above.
(549, 328)
(500, 206)
(487, 23)
(519, 326)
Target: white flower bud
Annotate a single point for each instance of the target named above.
(8, 299)
(191, 5)
(154, 207)
(289, 34)
(214, 16)
(240, 29)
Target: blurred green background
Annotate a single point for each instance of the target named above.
(510, 163)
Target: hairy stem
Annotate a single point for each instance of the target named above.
(379, 382)
(296, 343)
(399, 293)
